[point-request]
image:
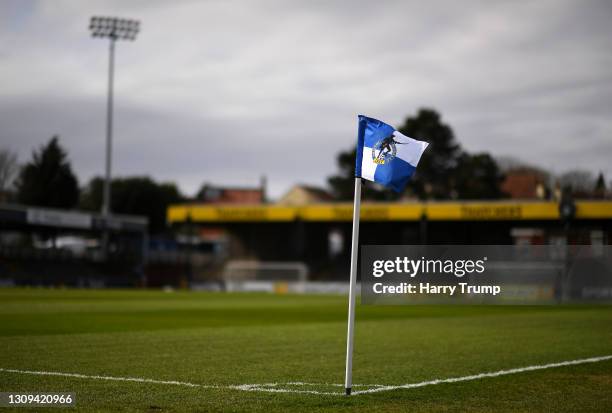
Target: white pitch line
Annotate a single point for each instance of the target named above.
(485, 375)
(110, 378)
(274, 387)
(268, 387)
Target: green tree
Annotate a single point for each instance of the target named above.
(477, 177)
(47, 180)
(433, 178)
(135, 196)
(445, 171)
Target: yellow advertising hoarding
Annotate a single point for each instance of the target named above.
(435, 211)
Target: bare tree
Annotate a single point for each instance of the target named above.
(578, 180)
(8, 168)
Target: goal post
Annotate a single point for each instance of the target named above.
(236, 270)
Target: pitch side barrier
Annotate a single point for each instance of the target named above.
(387, 211)
(486, 274)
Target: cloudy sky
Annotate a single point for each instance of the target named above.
(226, 91)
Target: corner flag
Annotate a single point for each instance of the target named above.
(385, 156)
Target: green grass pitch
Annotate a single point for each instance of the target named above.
(234, 339)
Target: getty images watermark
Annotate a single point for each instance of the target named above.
(411, 268)
(485, 274)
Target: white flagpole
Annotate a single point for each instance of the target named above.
(352, 287)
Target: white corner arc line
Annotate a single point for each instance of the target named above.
(486, 375)
(275, 387)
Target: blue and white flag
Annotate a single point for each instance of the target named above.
(384, 155)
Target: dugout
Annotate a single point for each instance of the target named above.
(319, 234)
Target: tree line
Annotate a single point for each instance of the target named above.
(446, 171)
(47, 180)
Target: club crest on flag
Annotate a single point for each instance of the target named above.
(384, 150)
(385, 155)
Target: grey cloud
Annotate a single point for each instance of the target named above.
(226, 91)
